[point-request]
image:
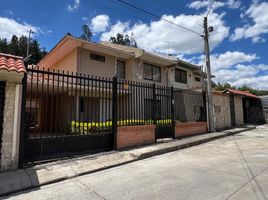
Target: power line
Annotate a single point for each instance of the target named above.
(175, 9)
(156, 16)
(116, 10)
(178, 6)
(210, 7)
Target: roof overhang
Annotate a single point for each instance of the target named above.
(68, 43)
(153, 58)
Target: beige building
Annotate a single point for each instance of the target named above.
(107, 60)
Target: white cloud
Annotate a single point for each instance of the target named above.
(228, 59)
(252, 75)
(9, 27)
(257, 12)
(237, 69)
(173, 39)
(233, 4)
(75, 6)
(99, 23)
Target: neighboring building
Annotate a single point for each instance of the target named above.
(251, 104)
(107, 60)
(264, 100)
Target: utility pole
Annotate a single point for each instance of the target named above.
(211, 113)
(28, 46)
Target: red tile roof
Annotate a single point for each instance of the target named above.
(12, 63)
(242, 93)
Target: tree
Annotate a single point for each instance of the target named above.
(123, 40)
(3, 45)
(13, 46)
(18, 47)
(223, 86)
(86, 35)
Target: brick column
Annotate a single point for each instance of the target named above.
(11, 124)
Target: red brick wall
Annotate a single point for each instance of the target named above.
(130, 136)
(190, 128)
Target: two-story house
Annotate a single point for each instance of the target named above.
(107, 60)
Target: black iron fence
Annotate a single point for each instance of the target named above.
(68, 113)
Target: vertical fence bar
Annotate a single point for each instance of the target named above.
(173, 110)
(154, 105)
(67, 103)
(51, 108)
(114, 112)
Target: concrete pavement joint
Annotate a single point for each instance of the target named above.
(83, 186)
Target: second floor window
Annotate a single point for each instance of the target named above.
(151, 72)
(97, 57)
(181, 76)
(121, 69)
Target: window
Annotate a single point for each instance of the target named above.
(121, 69)
(151, 72)
(197, 79)
(97, 57)
(180, 76)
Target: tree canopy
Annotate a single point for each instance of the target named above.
(123, 40)
(86, 35)
(225, 86)
(18, 46)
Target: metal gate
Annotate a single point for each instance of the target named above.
(66, 114)
(2, 104)
(164, 112)
(232, 110)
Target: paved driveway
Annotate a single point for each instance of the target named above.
(234, 167)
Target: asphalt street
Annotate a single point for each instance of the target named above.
(235, 167)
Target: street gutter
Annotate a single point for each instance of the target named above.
(43, 174)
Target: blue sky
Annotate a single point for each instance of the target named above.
(238, 43)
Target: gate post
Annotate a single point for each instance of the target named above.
(114, 112)
(172, 110)
(22, 121)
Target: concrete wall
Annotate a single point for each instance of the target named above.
(67, 63)
(222, 111)
(93, 67)
(239, 117)
(191, 83)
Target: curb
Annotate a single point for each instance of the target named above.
(21, 180)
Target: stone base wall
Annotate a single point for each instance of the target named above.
(190, 128)
(222, 111)
(7, 138)
(130, 136)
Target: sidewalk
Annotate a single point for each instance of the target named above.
(43, 174)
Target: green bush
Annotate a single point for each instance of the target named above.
(95, 127)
